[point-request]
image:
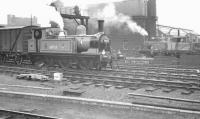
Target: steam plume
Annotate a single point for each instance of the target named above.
(112, 18)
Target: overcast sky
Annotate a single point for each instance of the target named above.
(177, 13)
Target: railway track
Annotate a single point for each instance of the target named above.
(159, 69)
(157, 64)
(139, 106)
(150, 68)
(142, 62)
(164, 101)
(109, 79)
(100, 78)
(160, 75)
(10, 114)
(22, 86)
(160, 60)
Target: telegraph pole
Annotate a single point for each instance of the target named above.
(31, 20)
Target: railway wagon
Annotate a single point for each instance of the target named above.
(171, 46)
(176, 50)
(44, 47)
(14, 43)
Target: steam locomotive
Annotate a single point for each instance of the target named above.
(43, 46)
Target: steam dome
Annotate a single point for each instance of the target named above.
(80, 30)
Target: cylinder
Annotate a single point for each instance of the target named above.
(100, 25)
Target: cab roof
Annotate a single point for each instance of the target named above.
(15, 27)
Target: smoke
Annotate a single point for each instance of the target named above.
(112, 18)
(48, 15)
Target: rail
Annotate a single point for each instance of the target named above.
(13, 114)
(95, 102)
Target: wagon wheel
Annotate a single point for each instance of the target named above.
(18, 60)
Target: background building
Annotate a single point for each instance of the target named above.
(12, 20)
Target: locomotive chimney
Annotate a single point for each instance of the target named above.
(100, 25)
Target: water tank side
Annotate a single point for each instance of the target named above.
(151, 6)
(132, 7)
